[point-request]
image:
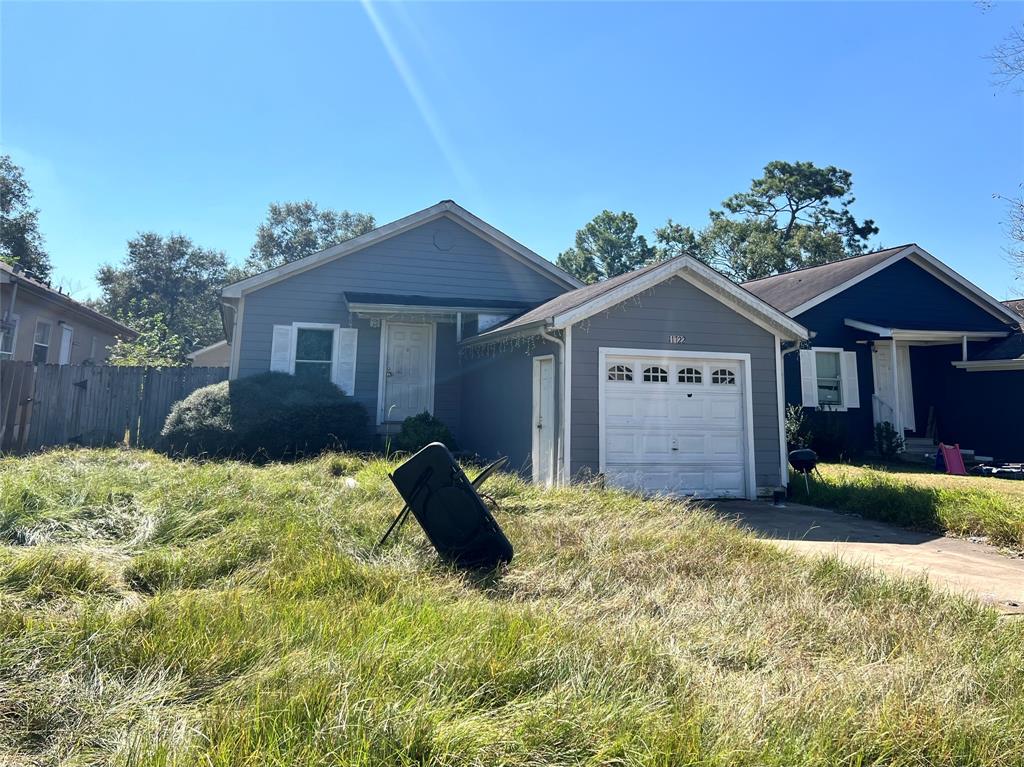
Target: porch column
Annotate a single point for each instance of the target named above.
(896, 392)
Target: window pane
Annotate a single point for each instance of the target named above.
(828, 364)
(830, 389)
(43, 333)
(313, 344)
(39, 353)
(7, 341)
(313, 370)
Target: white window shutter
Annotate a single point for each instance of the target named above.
(808, 378)
(281, 349)
(345, 341)
(848, 372)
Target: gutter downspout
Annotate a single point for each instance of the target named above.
(561, 410)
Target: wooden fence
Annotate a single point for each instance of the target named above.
(47, 405)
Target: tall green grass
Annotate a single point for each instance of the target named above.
(172, 613)
(984, 506)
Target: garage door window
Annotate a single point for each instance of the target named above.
(655, 374)
(620, 373)
(723, 377)
(690, 376)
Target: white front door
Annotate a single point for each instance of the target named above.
(408, 370)
(675, 425)
(543, 420)
(884, 403)
(67, 334)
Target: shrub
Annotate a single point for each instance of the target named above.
(272, 416)
(420, 430)
(888, 442)
(828, 438)
(798, 431)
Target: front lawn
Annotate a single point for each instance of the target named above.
(913, 497)
(171, 613)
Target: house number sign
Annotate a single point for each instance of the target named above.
(677, 339)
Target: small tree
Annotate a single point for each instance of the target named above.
(798, 432)
(888, 442)
(155, 346)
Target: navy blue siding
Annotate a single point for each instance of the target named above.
(902, 296)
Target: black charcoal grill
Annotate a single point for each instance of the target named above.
(804, 461)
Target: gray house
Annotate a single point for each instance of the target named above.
(666, 379)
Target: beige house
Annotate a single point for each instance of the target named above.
(216, 355)
(41, 324)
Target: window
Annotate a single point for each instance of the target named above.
(655, 374)
(689, 376)
(314, 350)
(723, 377)
(41, 345)
(620, 373)
(8, 332)
(830, 381)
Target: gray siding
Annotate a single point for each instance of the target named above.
(497, 403)
(674, 307)
(408, 263)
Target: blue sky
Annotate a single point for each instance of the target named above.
(193, 117)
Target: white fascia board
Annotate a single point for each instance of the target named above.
(702, 277)
(993, 365)
(444, 209)
(357, 308)
(902, 334)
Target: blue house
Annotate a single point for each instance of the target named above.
(899, 337)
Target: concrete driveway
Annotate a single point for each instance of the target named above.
(960, 565)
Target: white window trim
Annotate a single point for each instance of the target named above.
(16, 322)
(35, 343)
(382, 366)
(745, 382)
(841, 408)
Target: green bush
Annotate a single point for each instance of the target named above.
(272, 416)
(888, 442)
(420, 430)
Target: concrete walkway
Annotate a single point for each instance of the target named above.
(954, 563)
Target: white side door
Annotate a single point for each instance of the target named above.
(884, 403)
(543, 458)
(67, 334)
(408, 370)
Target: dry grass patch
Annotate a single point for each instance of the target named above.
(241, 616)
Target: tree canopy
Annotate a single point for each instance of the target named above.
(21, 243)
(156, 345)
(606, 247)
(170, 277)
(294, 230)
(796, 214)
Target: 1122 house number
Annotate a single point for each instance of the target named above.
(677, 339)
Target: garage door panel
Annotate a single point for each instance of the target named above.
(681, 438)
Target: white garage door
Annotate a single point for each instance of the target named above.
(675, 425)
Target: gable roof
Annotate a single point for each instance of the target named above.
(569, 308)
(801, 289)
(444, 209)
(8, 274)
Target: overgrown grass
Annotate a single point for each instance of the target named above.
(163, 613)
(923, 500)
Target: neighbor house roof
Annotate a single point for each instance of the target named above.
(1017, 305)
(8, 274)
(584, 302)
(789, 290)
(801, 289)
(444, 209)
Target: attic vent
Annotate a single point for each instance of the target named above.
(443, 239)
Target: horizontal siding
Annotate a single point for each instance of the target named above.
(497, 403)
(674, 307)
(410, 264)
